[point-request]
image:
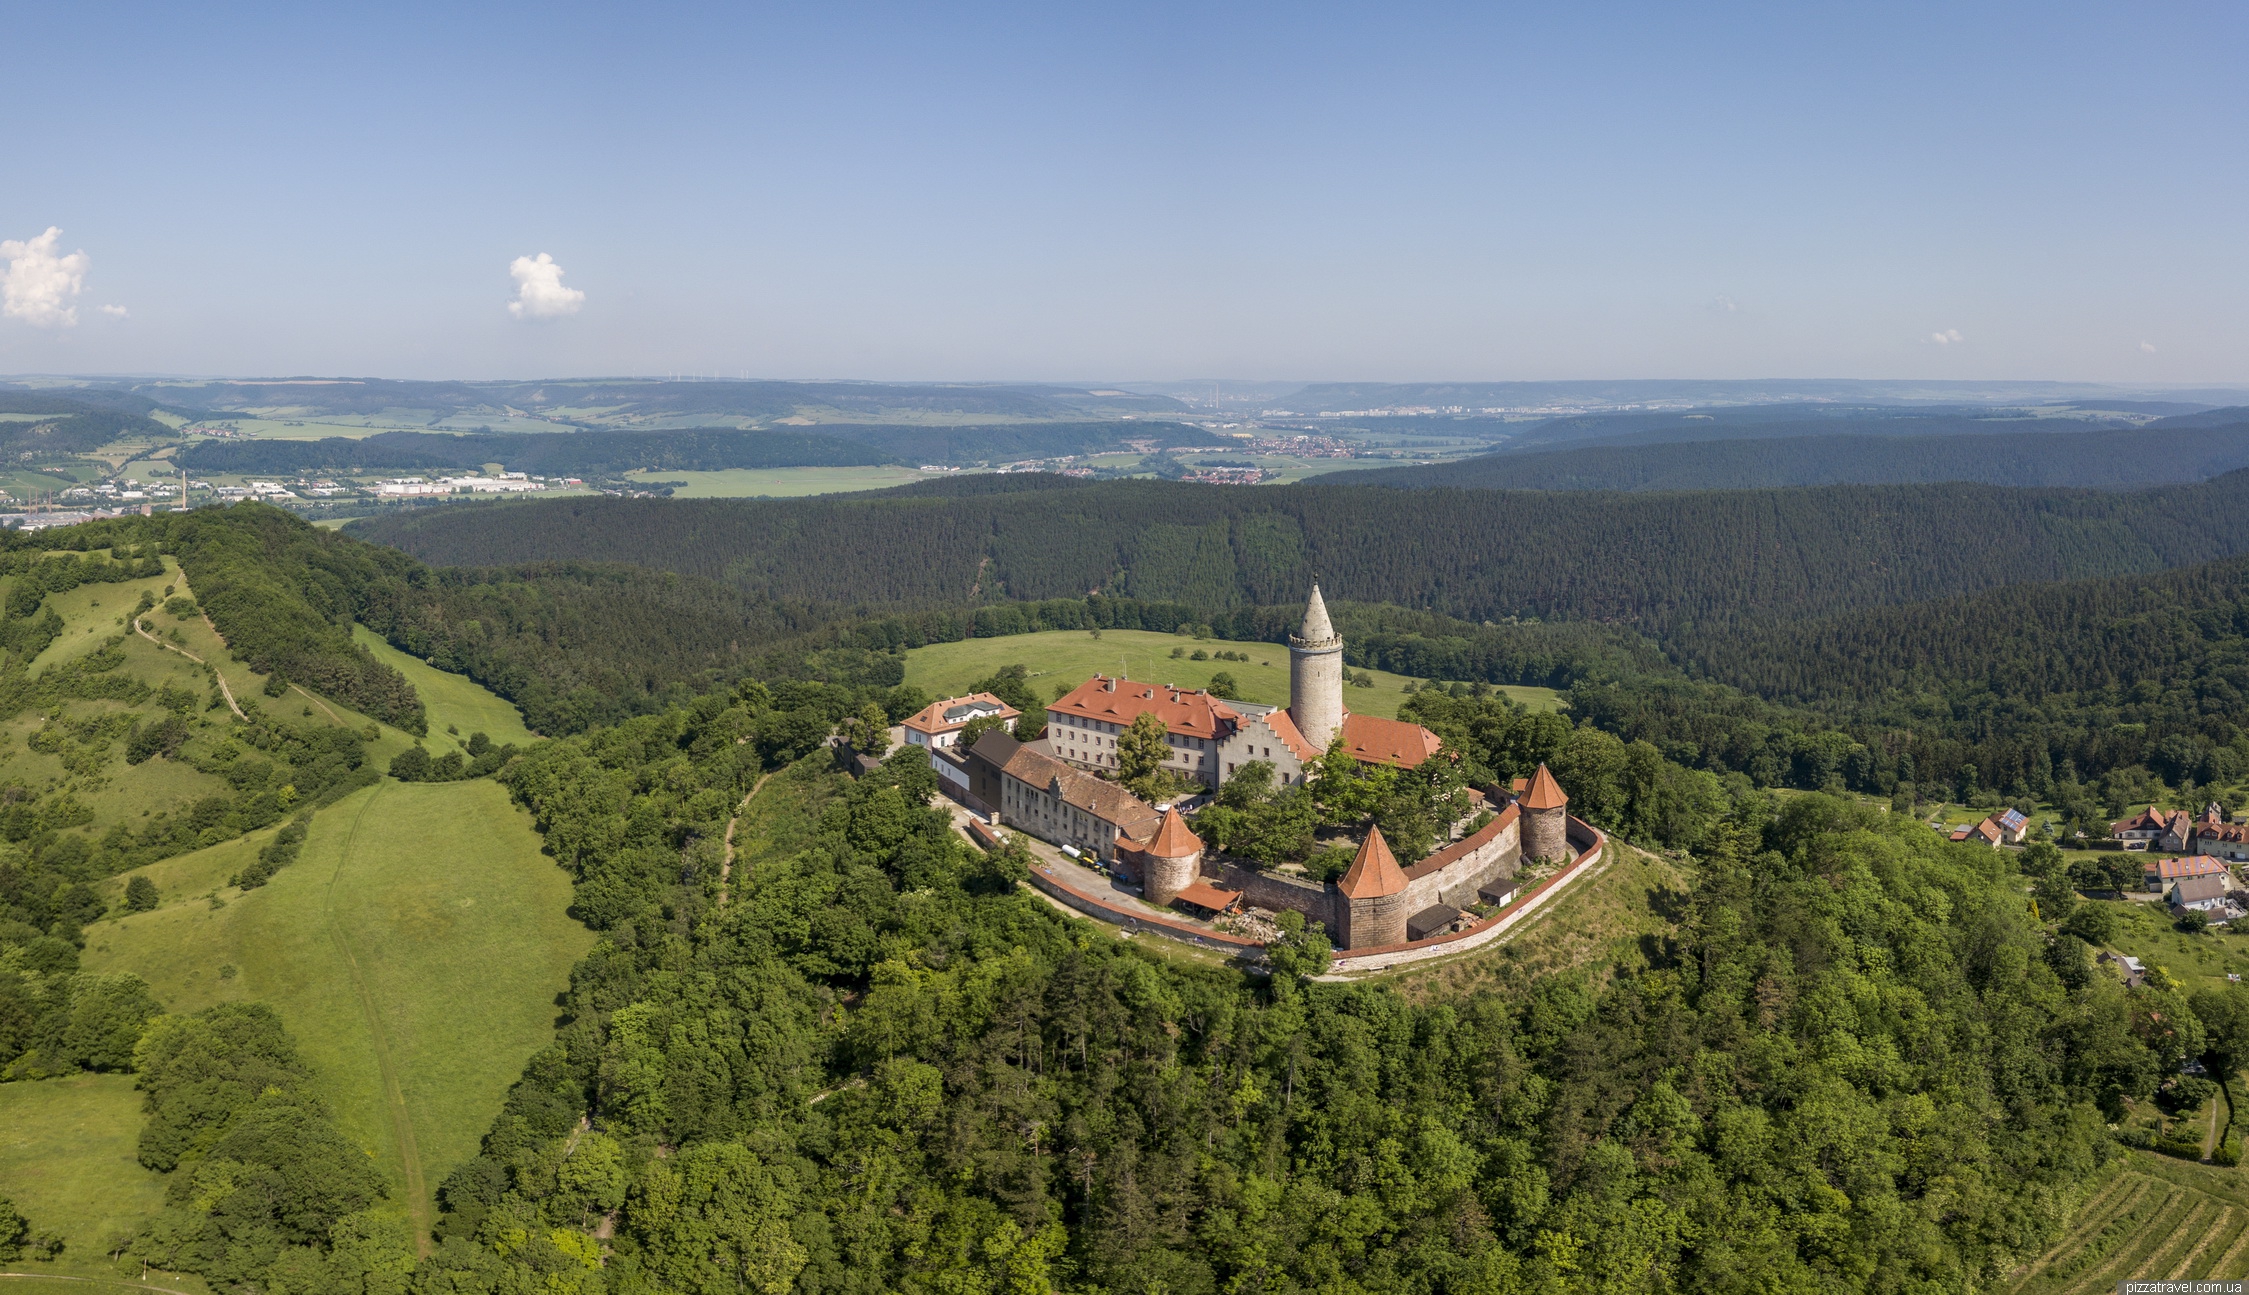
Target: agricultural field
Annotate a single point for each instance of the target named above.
(2147, 1217)
(778, 483)
(1070, 657)
(415, 949)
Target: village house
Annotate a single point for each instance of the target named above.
(939, 724)
(2143, 829)
(2213, 894)
(2158, 874)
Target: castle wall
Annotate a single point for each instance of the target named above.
(1452, 876)
(1278, 892)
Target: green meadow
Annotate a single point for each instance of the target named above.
(67, 1160)
(452, 701)
(415, 949)
(1070, 657)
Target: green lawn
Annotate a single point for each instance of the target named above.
(67, 1160)
(1073, 656)
(781, 483)
(415, 949)
(453, 701)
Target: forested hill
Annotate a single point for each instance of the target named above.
(692, 449)
(2143, 634)
(2108, 458)
(1653, 560)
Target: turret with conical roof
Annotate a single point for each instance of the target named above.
(1545, 808)
(1315, 675)
(1170, 860)
(1373, 899)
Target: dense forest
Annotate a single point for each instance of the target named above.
(1653, 561)
(871, 1063)
(2108, 459)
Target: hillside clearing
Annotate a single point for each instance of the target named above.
(67, 1159)
(414, 949)
(1073, 656)
(2146, 1218)
(452, 701)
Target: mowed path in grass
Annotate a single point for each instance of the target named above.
(1073, 656)
(415, 949)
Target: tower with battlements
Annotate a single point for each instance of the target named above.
(1315, 676)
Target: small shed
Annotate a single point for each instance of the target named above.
(1433, 920)
(1206, 900)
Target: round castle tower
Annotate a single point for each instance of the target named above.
(1173, 858)
(1546, 833)
(1373, 908)
(1315, 676)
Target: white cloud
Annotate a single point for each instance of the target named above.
(1726, 305)
(117, 311)
(2149, 347)
(40, 286)
(1947, 337)
(539, 293)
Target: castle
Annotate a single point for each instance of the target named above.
(1212, 738)
(1377, 902)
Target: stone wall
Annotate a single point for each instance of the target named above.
(1272, 890)
(1452, 876)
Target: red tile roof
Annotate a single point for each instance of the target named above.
(1186, 712)
(1174, 840)
(1204, 895)
(2200, 865)
(1375, 872)
(1112, 804)
(1371, 739)
(1545, 793)
(1284, 727)
(932, 718)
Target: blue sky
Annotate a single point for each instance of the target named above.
(1065, 192)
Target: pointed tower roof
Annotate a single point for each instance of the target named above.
(1544, 793)
(1317, 626)
(1375, 872)
(1173, 840)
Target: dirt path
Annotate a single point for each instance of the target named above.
(109, 1283)
(394, 1094)
(300, 689)
(726, 868)
(2210, 1137)
(224, 691)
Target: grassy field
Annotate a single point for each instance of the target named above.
(780, 483)
(1072, 656)
(1604, 921)
(67, 1160)
(2147, 1217)
(453, 701)
(415, 949)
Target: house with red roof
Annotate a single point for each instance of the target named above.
(2157, 874)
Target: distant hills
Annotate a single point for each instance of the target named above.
(1694, 558)
(1336, 397)
(2107, 458)
(694, 449)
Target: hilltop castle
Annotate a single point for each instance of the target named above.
(1212, 738)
